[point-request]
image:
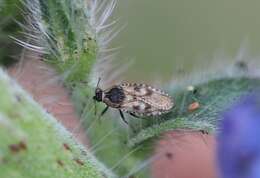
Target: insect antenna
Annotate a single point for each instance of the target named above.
(98, 82)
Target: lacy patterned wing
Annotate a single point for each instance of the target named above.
(144, 100)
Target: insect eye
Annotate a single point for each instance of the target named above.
(98, 95)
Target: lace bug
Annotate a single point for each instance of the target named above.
(139, 100)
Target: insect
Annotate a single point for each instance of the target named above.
(139, 100)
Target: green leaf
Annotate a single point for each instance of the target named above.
(33, 144)
(213, 98)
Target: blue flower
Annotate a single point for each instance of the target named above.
(238, 142)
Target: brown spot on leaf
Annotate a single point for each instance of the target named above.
(14, 148)
(22, 145)
(60, 162)
(67, 147)
(79, 162)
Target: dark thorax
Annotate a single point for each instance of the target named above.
(114, 96)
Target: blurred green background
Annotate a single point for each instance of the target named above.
(164, 35)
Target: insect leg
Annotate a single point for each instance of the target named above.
(104, 111)
(132, 114)
(122, 116)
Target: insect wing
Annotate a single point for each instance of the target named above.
(159, 101)
(142, 100)
(138, 108)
